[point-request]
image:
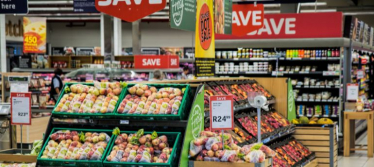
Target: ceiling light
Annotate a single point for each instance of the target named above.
(318, 10)
(52, 9)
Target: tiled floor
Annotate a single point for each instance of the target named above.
(358, 159)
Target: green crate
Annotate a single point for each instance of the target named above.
(173, 139)
(64, 162)
(181, 112)
(86, 115)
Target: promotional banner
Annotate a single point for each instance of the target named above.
(14, 7)
(195, 124)
(291, 108)
(223, 16)
(182, 14)
(153, 62)
(128, 10)
(296, 25)
(204, 39)
(85, 6)
(34, 34)
(247, 18)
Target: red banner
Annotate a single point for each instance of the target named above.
(302, 25)
(247, 18)
(156, 62)
(129, 10)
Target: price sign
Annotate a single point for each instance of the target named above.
(20, 105)
(360, 74)
(352, 92)
(221, 113)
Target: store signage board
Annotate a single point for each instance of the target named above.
(352, 92)
(247, 18)
(154, 62)
(291, 107)
(204, 39)
(20, 107)
(150, 51)
(188, 53)
(182, 14)
(34, 34)
(85, 6)
(223, 16)
(360, 74)
(14, 7)
(195, 124)
(221, 112)
(129, 10)
(300, 25)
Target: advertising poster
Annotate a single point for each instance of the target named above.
(182, 14)
(204, 39)
(172, 51)
(34, 34)
(223, 16)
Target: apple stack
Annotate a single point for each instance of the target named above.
(100, 98)
(148, 100)
(70, 145)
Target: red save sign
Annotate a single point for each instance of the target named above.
(247, 18)
(221, 112)
(129, 10)
(20, 108)
(153, 62)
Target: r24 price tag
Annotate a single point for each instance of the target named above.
(221, 113)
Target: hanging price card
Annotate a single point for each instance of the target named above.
(20, 105)
(221, 113)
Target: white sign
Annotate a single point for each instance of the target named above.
(352, 92)
(360, 74)
(221, 113)
(19, 87)
(20, 108)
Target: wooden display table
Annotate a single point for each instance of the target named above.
(350, 117)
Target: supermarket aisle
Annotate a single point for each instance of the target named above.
(359, 158)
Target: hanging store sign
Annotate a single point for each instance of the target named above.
(182, 14)
(34, 34)
(14, 7)
(20, 107)
(204, 39)
(247, 18)
(129, 10)
(85, 6)
(154, 62)
(221, 112)
(301, 25)
(223, 16)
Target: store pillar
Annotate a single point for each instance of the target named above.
(117, 25)
(136, 38)
(106, 30)
(2, 44)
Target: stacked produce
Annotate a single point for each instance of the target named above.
(138, 147)
(289, 152)
(148, 100)
(17, 164)
(100, 98)
(71, 145)
(211, 146)
(313, 120)
(36, 147)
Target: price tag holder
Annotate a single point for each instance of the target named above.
(20, 107)
(124, 122)
(221, 113)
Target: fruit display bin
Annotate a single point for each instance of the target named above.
(173, 139)
(85, 115)
(181, 111)
(65, 162)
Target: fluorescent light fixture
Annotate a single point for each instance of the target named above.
(73, 18)
(318, 10)
(51, 9)
(50, 2)
(271, 11)
(314, 4)
(357, 13)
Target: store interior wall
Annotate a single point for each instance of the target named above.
(154, 34)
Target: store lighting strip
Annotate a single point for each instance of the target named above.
(52, 9)
(358, 13)
(50, 2)
(318, 10)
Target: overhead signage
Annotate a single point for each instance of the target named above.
(154, 62)
(14, 7)
(85, 6)
(247, 18)
(300, 25)
(34, 34)
(204, 39)
(221, 112)
(223, 16)
(352, 92)
(20, 107)
(182, 14)
(129, 10)
(189, 53)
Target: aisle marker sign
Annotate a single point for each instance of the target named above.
(129, 10)
(221, 112)
(247, 18)
(20, 107)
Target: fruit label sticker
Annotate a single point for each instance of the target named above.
(221, 113)
(20, 107)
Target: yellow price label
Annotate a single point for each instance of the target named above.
(31, 39)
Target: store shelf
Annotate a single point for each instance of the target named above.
(246, 59)
(184, 60)
(244, 73)
(37, 110)
(323, 73)
(151, 70)
(317, 87)
(41, 70)
(311, 59)
(320, 116)
(317, 101)
(278, 135)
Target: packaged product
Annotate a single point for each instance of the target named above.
(301, 110)
(309, 111)
(317, 110)
(327, 109)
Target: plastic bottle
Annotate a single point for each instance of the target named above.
(329, 53)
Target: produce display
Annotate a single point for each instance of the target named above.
(143, 99)
(313, 120)
(74, 145)
(17, 164)
(289, 152)
(100, 98)
(140, 148)
(36, 147)
(211, 146)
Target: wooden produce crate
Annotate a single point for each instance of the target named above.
(313, 163)
(321, 140)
